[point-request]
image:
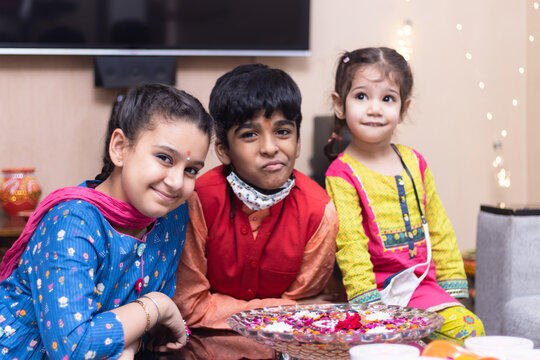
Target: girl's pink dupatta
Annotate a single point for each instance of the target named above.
(117, 212)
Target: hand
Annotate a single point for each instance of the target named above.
(170, 333)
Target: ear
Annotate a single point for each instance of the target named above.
(339, 106)
(118, 147)
(405, 109)
(298, 147)
(222, 153)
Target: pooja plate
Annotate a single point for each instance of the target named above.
(310, 331)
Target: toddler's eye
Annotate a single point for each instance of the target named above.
(389, 98)
(361, 96)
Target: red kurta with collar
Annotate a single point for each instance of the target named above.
(245, 267)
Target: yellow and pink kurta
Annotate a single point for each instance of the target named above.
(380, 232)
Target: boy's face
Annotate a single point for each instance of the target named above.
(262, 151)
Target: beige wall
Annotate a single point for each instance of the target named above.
(53, 118)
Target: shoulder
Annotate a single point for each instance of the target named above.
(177, 216)
(213, 177)
(340, 169)
(410, 151)
(309, 189)
(74, 210)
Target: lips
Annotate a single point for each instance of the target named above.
(373, 124)
(273, 165)
(164, 195)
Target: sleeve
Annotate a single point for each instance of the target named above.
(199, 306)
(66, 261)
(352, 254)
(446, 255)
(319, 258)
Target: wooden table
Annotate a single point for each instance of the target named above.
(208, 344)
(10, 229)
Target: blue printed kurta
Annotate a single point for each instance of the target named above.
(75, 268)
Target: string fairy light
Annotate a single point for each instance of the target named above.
(501, 172)
(404, 39)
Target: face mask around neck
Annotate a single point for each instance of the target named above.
(253, 198)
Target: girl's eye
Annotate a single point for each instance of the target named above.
(192, 171)
(361, 96)
(389, 98)
(165, 158)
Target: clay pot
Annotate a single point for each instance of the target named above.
(19, 191)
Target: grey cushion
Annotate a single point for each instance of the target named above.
(507, 271)
(521, 317)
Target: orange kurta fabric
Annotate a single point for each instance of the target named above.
(203, 308)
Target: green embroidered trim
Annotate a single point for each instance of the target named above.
(456, 288)
(366, 297)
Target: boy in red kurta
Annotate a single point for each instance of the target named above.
(260, 232)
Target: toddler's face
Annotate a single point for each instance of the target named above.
(372, 106)
(262, 151)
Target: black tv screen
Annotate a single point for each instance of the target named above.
(155, 27)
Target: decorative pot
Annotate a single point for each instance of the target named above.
(19, 191)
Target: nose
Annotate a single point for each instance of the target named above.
(269, 145)
(374, 107)
(175, 179)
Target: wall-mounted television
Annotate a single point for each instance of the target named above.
(155, 27)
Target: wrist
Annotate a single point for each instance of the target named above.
(155, 304)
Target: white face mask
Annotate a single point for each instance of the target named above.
(254, 199)
(402, 285)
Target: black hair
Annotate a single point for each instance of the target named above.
(389, 61)
(134, 113)
(242, 93)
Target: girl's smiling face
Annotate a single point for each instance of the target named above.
(156, 173)
(372, 108)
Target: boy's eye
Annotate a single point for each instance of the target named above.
(165, 158)
(283, 132)
(248, 134)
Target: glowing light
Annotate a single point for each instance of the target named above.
(489, 116)
(481, 85)
(504, 133)
(535, 5)
(459, 27)
(531, 38)
(521, 70)
(404, 40)
(503, 178)
(515, 102)
(497, 161)
(468, 56)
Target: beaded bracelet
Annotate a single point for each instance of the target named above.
(146, 312)
(188, 332)
(157, 307)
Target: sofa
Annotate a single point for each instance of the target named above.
(507, 278)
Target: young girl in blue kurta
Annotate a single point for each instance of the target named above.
(94, 269)
(395, 242)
